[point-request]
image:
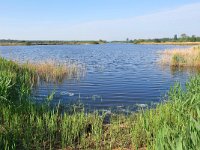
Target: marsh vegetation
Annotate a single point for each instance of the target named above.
(186, 57)
(173, 124)
(55, 71)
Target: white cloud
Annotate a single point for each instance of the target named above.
(185, 19)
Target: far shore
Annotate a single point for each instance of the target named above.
(29, 43)
(170, 43)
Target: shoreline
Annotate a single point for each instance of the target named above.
(94, 43)
(33, 43)
(27, 125)
(170, 43)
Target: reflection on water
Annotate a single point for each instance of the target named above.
(183, 70)
(121, 76)
(176, 70)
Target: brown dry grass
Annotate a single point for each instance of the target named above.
(188, 57)
(54, 71)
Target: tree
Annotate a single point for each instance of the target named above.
(157, 40)
(193, 38)
(175, 37)
(183, 35)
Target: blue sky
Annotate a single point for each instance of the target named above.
(94, 20)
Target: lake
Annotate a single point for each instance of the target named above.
(118, 76)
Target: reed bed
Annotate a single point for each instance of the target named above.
(173, 124)
(54, 71)
(189, 57)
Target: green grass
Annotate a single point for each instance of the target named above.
(173, 124)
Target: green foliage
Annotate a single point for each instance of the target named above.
(182, 38)
(178, 60)
(138, 41)
(174, 124)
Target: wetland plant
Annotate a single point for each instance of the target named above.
(188, 57)
(174, 124)
(54, 71)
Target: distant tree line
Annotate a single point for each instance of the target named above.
(38, 42)
(183, 38)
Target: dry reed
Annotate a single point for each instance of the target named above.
(54, 71)
(188, 57)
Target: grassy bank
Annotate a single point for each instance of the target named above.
(174, 124)
(188, 57)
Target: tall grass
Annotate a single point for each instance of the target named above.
(173, 124)
(54, 71)
(189, 57)
(48, 70)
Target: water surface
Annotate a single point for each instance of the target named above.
(118, 75)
